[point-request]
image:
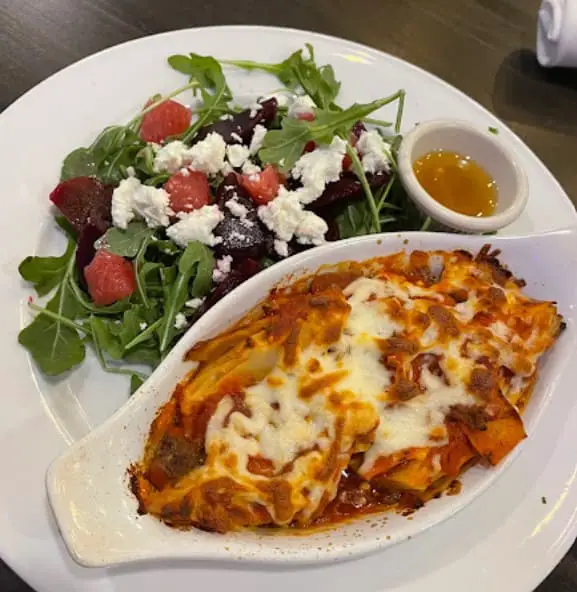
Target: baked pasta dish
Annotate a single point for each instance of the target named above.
(364, 387)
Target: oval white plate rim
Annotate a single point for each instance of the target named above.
(568, 529)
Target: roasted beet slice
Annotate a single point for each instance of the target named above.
(83, 201)
(241, 236)
(293, 247)
(241, 124)
(241, 272)
(343, 191)
(357, 130)
(231, 188)
(85, 250)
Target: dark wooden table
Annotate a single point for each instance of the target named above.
(483, 47)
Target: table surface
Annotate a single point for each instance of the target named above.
(483, 47)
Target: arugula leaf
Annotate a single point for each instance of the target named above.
(136, 382)
(79, 163)
(354, 220)
(196, 257)
(52, 339)
(127, 243)
(319, 83)
(214, 90)
(46, 272)
(300, 71)
(105, 337)
(66, 227)
(107, 157)
(144, 353)
(284, 147)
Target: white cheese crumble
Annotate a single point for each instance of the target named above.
(319, 167)
(194, 303)
(197, 226)
(222, 268)
(257, 138)
(208, 155)
(281, 247)
(285, 216)
(236, 137)
(249, 168)
(311, 229)
(282, 215)
(143, 326)
(237, 154)
(180, 321)
(254, 109)
(131, 198)
(171, 157)
(374, 151)
(236, 208)
(302, 105)
(130, 171)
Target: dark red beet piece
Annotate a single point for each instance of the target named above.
(241, 238)
(85, 250)
(241, 124)
(83, 201)
(357, 130)
(241, 272)
(231, 187)
(343, 191)
(293, 247)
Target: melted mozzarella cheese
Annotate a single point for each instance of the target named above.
(409, 424)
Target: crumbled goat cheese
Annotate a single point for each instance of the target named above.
(282, 215)
(143, 326)
(194, 303)
(236, 208)
(226, 169)
(317, 168)
(208, 155)
(237, 154)
(257, 138)
(249, 168)
(197, 225)
(254, 109)
(222, 268)
(281, 247)
(171, 157)
(302, 105)
(374, 151)
(236, 137)
(225, 117)
(180, 321)
(131, 198)
(130, 171)
(311, 229)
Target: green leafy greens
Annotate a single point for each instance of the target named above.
(133, 335)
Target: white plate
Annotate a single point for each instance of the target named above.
(507, 537)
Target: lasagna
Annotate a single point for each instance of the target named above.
(364, 387)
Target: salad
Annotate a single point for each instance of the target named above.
(170, 212)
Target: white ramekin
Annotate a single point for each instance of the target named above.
(486, 150)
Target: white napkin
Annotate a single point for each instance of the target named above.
(557, 33)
